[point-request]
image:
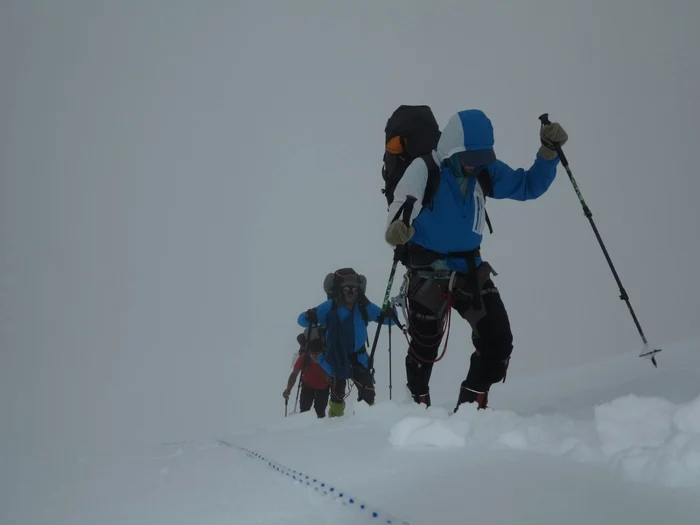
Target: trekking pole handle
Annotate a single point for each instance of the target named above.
(544, 119)
(404, 212)
(408, 209)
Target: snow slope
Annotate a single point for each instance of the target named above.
(615, 441)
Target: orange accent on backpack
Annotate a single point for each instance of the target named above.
(395, 146)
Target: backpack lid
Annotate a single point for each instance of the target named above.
(417, 127)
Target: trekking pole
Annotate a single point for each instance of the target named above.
(389, 362)
(646, 352)
(286, 402)
(303, 367)
(406, 209)
(296, 401)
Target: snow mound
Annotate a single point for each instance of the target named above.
(648, 440)
(632, 421)
(687, 418)
(424, 431)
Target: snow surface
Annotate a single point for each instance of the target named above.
(168, 174)
(631, 458)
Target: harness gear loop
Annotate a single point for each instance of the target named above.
(446, 324)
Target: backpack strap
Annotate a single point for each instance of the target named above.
(484, 180)
(433, 180)
(362, 303)
(364, 314)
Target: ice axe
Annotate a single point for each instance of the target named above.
(647, 351)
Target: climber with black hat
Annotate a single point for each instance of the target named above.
(345, 315)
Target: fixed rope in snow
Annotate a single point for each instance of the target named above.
(323, 488)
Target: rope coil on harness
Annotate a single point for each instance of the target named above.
(326, 489)
(444, 330)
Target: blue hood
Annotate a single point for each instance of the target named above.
(469, 134)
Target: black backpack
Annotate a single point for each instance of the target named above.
(410, 133)
(312, 339)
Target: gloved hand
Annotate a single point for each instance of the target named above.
(285, 394)
(550, 135)
(390, 313)
(311, 316)
(398, 233)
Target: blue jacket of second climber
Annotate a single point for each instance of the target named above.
(360, 330)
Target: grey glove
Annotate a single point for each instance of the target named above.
(549, 135)
(398, 233)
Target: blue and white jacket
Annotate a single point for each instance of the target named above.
(455, 221)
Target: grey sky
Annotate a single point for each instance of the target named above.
(178, 177)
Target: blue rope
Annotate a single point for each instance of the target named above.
(322, 487)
